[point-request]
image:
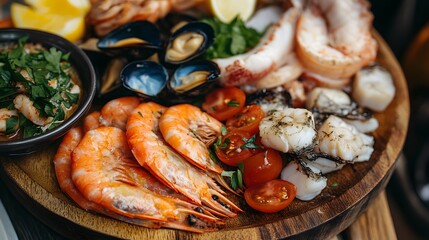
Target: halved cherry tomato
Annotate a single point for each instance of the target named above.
(233, 149)
(247, 120)
(262, 167)
(271, 196)
(223, 103)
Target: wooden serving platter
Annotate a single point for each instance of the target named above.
(32, 180)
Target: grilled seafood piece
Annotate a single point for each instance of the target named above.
(309, 183)
(373, 88)
(106, 173)
(153, 153)
(288, 130)
(324, 102)
(339, 139)
(190, 132)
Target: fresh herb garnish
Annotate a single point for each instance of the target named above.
(223, 130)
(44, 77)
(236, 177)
(213, 155)
(231, 38)
(250, 143)
(233, 103)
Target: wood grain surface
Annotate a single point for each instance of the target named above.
(32, 180)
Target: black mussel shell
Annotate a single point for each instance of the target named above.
(146, 78)
(172, 22)
(194, 78)
(271, 99)
(204, 36)
(99, 61)
(135, 40)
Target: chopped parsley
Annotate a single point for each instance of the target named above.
(236, 177)
(233, 103)
(231, 38)
(44, 78)
(250, 143)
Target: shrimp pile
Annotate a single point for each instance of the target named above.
(106, 15)
(119, 165)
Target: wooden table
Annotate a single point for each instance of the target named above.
(375, 223)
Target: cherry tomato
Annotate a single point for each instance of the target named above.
(262, 167)
(247, 120)
(271, 196)
(234, 149)
(223, 103)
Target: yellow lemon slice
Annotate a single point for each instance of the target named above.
(227, 10)
(65, 18)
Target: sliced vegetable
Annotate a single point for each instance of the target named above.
(247, 120)
(224, 103)
(270, 197)
(229, 148)
(262, 167)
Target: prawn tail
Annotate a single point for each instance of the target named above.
(221, 204)
(221, 181)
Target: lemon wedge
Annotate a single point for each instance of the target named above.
(65, 18)
(227, 10)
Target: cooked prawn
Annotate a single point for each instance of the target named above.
(63, 172)
(91, 121)
(190, 132)
(26, 106)
(334, 38)
(267, 56)
(153, 153)
(115, 112)
(106, 173)
(5, 114)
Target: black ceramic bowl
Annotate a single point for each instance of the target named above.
(86, 74)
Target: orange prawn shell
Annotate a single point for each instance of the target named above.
(180, 125)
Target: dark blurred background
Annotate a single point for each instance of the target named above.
(405, 27)
(398, 21)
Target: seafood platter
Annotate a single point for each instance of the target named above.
(284, 124)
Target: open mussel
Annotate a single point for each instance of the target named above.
(135, 40)
(172, 22)
(188, 42)
(194, 78)
(152, 81)
(146, 78)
